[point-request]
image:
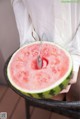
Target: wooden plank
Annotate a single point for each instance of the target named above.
(31, 110)
(9, 101)
(74, 92)
(3, 90)
(40, 114)
(2, 78)
(17, 102)
(58, 116)
(20, 112)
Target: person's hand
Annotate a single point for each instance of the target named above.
(66, 90)
(72, 81)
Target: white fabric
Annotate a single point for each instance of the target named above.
(52, 20)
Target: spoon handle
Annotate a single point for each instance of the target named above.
(39, 59)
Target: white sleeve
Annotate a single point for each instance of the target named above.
(74, 46)
(75, 51)
(23, 22)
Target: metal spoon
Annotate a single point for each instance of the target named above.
(39, 62)
(39, 59)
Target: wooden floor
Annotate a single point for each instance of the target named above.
(14, 105)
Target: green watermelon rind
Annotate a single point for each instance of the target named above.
(50, 91)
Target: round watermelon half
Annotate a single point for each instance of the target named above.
(24, 74)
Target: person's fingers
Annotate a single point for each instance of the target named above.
(62, 94)
(74, 92)
(58, 97)
(66, 89)
(72, 81)
(74, 78)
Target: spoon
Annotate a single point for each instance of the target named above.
(39, 59)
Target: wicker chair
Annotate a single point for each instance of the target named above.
(68, 109)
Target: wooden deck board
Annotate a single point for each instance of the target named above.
(40, 114)
(8, 102)
(14, 105)
(3, 90)
(57, 116)
(20, 112)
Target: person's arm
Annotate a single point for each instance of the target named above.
(75, 52)
(23, 22)
(74, 49)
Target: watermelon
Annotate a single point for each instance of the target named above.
(24, 74)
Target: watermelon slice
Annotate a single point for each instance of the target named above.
(24, 74)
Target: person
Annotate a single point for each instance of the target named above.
(54, 21)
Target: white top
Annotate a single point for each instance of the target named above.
(52, 20)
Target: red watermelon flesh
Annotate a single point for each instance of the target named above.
(23, 70)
